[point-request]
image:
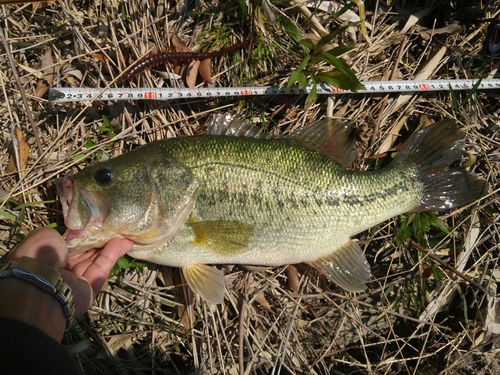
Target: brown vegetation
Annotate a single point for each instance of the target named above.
(418, 315)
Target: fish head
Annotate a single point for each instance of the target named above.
(144, 200)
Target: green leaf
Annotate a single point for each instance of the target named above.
(8, 215)
(89, 143)
(297, 73)
(420, 225)
(243, 6)
(454, 99)
(311, 98)
(126, 263)
(328, 38)
(350, 81)
(438, 276)
(106, 130)
(290, 28)
(337, 63)
(472, 91)
(340, 80)
(123, 12)
(423, 293)
(30, 204)
(307, 43)
(404, 232)
(303, 82)
(106, 122)
(437, 223)
(344, 9)
(339, 50)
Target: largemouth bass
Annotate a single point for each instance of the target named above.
(236, 196)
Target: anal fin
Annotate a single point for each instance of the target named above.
(206, 281)
(347, 267)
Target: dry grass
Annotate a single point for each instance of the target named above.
(406, 323)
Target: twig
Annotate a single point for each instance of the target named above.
(448, 267)
(386, 97)
(23, 96)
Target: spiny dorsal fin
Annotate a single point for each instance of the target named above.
(347, 267)
(206, 281)
(330, 137)
(224, 124)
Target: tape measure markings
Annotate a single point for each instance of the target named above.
(59, 95)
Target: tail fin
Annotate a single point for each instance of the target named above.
(433, 149)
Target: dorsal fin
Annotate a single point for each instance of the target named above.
(224, 124)
(330, 137)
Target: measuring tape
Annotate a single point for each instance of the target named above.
(59, 95)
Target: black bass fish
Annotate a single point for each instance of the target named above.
(236, 196)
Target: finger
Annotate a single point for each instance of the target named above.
(98, 271)
(43, 244)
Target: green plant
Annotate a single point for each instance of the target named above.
(16, 213)
(110, 131)
(126, 263)
(108, 128)
(418, 224)
(313, 55)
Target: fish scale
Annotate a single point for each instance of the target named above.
(226, 199)
(388, 192)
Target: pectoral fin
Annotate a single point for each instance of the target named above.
(222, 237)
(346, 267)
(206, 281)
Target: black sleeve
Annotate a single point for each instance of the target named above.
(26, 350)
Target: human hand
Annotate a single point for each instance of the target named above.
(84, 273)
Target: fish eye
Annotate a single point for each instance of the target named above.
(103, 176)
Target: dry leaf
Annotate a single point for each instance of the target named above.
(192, 73)
(22, 149)
(178, 43)
(206, 70)
(99, 56)
(70, 73)
(293, 278)
(315, 39)
(261, 298)
(452, 28)
(49, 72)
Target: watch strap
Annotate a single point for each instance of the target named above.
(44, 277)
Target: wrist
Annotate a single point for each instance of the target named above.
(23, 300)
(35, 290)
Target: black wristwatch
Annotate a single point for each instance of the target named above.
(44, 277)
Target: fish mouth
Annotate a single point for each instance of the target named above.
(73, 219)
(83, 212)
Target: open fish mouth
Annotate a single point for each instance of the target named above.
(72, 218)
(84, 213)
